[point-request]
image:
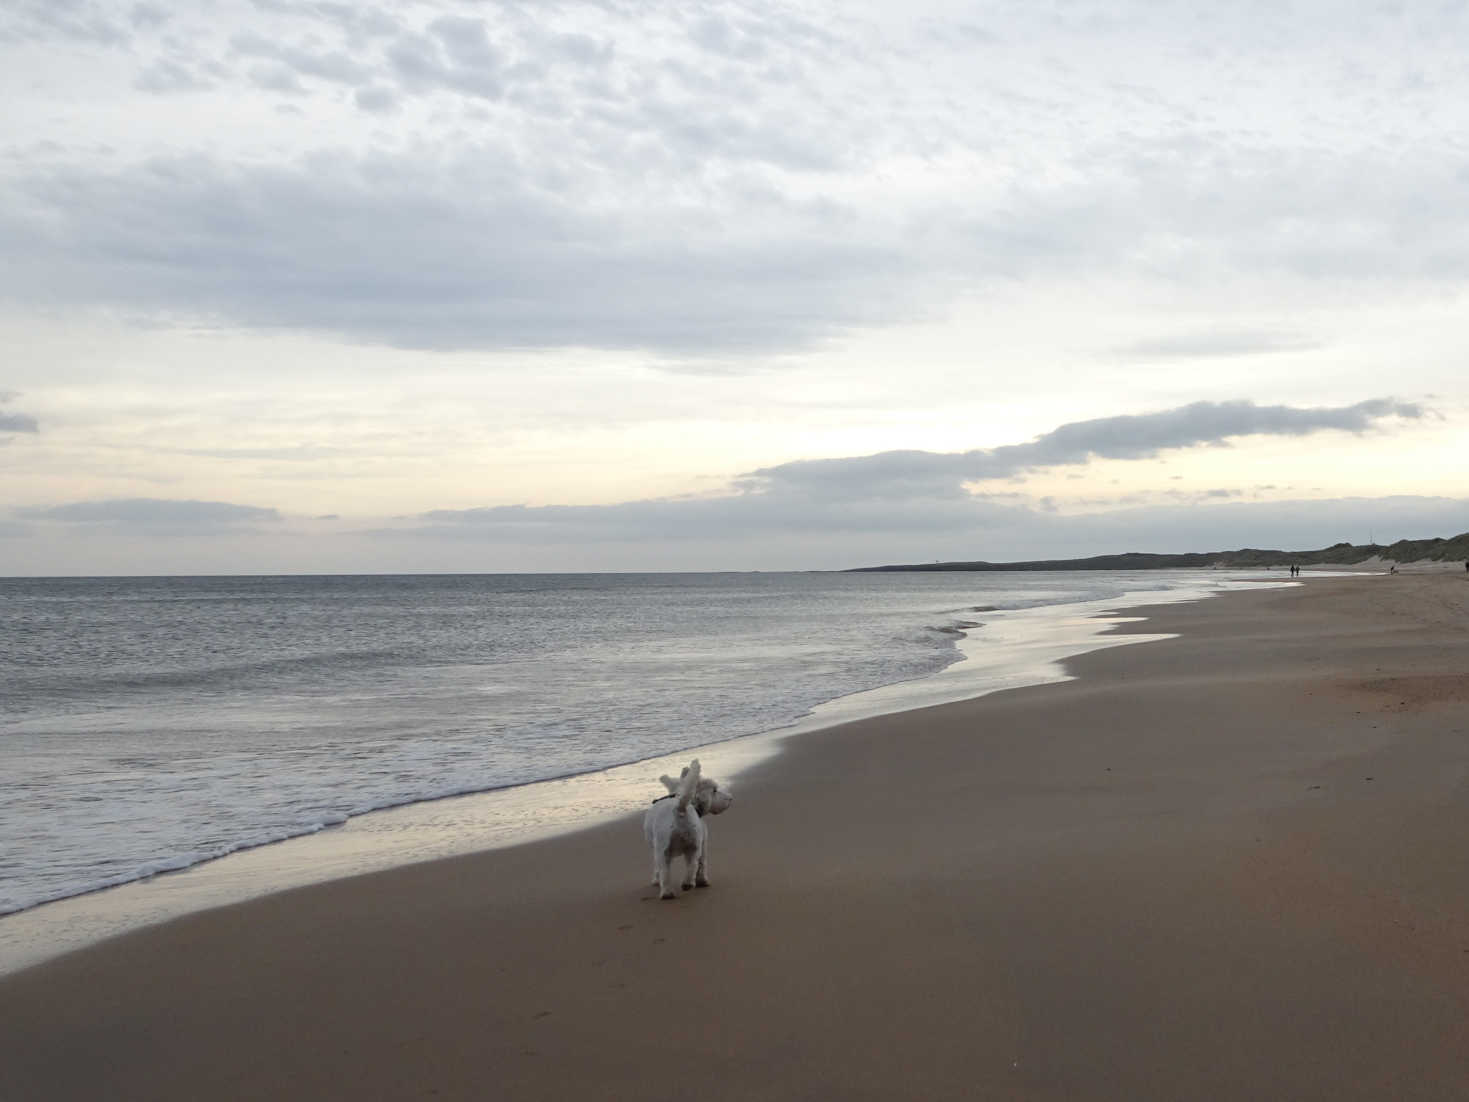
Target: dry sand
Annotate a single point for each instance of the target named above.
(1230, 865)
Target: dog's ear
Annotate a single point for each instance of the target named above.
(669, 783)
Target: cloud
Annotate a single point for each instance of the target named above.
(15, 422)
(376, 99)
(504, 241)
(359, 24)
(166, 76)
(397, 249)
(147, 16)
(705, 180)
(711, 180)
(918, 494)
(467, 42)
(334, 66)
(455, 55)
(718, 35)
(150, 512)
(906, 507)
(75, 20)
(1131, 436)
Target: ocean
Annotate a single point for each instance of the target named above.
(151, 724)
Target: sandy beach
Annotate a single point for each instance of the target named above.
(1234, 864)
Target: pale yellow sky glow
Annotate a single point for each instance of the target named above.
(409, 268)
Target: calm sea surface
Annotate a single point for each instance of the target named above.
(153, 723)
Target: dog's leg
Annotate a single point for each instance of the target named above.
(690, 862)
(701, 875)
(652, 836)
(665, 875)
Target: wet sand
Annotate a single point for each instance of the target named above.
(1229, 865)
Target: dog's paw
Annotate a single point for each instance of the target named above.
(686, 887)
(702, 882)
(668, 895)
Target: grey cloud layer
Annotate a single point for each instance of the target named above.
(393, 250)
(150, 512)
(911, 491)
(1132, 436)
(78, 20)
(15, 422)
(907, 506)
(481, 249)
(920, 494)
(728, 177)
(582, 220)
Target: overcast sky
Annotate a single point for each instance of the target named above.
(498, 286)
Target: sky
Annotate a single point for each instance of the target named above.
(487, 285)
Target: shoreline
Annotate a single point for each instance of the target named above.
(1226, 865)
(1032, 645)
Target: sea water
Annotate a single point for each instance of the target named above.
(150, 724)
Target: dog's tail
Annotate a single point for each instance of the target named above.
(687, 784)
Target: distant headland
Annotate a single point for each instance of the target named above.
(1454, 549)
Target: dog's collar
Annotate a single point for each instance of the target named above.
(692, 804)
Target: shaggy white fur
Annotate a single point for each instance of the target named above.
(674, 827)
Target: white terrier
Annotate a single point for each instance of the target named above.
(674, 827)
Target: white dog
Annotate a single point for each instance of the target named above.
(674, 827)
